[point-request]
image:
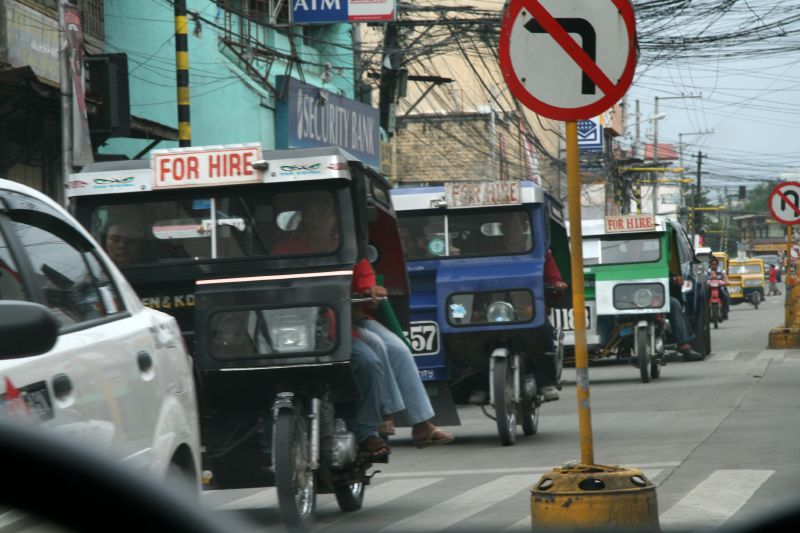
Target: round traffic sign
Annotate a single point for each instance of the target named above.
(568, 59)
(784, 203)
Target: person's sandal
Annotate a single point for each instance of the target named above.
(375, 449)
(436, 437)
(386, 429)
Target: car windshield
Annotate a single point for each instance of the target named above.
(745, 269)
(468, 233)
(218, 225)
(614, 251)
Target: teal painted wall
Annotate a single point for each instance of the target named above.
(228, 106)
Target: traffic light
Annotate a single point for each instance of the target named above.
(108, 82)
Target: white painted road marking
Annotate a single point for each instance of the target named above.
(772, 354)
(723, 356)
(715, 499)
(465, 505)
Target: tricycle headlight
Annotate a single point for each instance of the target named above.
(491, 307)
(500, 312)
(253, 333)
(289, 338)
(639, 296)
(643, 297)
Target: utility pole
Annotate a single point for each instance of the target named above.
(655, 143)
(65, 83)
(182, 73)
(655, 160)
(698, 214)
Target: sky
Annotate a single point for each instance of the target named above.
(748, 108)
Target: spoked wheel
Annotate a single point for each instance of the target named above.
(295, 481)
(350, 496)
(504, 408)
(643, 351)
(715, 315)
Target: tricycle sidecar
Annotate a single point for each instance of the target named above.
(253, 252)
(476, 260)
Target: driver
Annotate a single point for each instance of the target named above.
(123, 243)
(713, 266)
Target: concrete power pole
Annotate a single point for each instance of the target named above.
(65, 73)
(655, 160)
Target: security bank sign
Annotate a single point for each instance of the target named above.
(308, 116)
(328, 11)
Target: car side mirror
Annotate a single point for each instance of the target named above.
(26, 329)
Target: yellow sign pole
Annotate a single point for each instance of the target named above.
(578, 303)
(789, 301)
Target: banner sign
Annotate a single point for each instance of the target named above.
(308, 116)
(330, 11)
(205, 166)
(81, 141)
(626, 223)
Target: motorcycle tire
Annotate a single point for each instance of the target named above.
(295, 481)
(715, 315)
(655, 370)
(350, 497)
(643, 353)
(756, 299)
(504, 408)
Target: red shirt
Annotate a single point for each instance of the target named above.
(551, 272)
(773, 275)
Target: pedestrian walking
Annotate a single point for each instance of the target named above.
(773, 281)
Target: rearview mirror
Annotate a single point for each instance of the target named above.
(26, 329)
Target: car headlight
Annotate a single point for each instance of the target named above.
(500, 312)
(493, 307)
(639, 296)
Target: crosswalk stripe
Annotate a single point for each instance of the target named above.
(461, 507)
(517, 470)
(378, 495)
(723, 356)
(259, 500)
(715, 499)
(772, 354)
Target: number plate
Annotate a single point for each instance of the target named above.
(565, 318)
(734, 290)
(424, 337)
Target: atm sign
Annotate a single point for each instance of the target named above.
(203, 167)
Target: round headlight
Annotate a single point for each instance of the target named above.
(643, 297)
(500, 312)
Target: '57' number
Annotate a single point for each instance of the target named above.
(424, 338)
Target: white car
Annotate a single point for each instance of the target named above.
(118, 376)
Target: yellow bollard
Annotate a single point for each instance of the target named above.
(594, 496)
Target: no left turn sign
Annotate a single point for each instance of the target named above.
(784, 203)
(568, 59)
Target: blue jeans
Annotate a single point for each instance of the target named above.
(417, 404)
(680, 328)
(372, 373)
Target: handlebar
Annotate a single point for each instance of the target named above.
(365, 299)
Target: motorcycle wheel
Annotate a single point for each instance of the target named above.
(295, 481)
(350, 496)
(504, 408)
(530, 417)
(643, 351)
(756, 299)
(715, 315)
(655, 370)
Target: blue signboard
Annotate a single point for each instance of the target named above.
(331, 11)
(590, 135)
(308, 116)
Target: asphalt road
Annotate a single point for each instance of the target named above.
(718, 438)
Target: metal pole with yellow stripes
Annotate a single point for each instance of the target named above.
(182, 72)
